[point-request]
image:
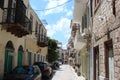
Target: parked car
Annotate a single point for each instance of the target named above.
(55, 65)
(24, 73)
(45, 69)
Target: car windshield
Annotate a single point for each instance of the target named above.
(43, 65)
(23, 70)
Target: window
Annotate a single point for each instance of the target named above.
(1, 3)
(39, 28)
(36, 28)
(84, 22)
(109, 60)
(42, 32)
(38, 57)
(34, 57)
(113, 7)
(31, 23)
(31, 19)
(96, 63)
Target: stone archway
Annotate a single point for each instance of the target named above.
(8, 57)
(20, 56)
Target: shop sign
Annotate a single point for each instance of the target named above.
(11, 53)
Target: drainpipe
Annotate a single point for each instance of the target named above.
(25, 52)
(90, 48)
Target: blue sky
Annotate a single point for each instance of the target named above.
(58, 19)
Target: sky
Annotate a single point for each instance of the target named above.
(58, 19)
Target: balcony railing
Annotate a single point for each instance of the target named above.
(42, 40)
(15, 21)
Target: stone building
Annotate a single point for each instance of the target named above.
(106, 39)
(22, 35)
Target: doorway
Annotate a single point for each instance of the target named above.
(20, 56)
(109, 60)
(96, 63)
(8, 58)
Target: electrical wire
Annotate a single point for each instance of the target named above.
(55, 6)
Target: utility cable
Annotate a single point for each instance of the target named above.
(55, 6)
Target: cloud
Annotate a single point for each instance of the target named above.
(54, 3)
(62, 25)
(64, 46)
(69, 13)
(67, 36)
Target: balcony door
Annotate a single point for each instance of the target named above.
(96, 63)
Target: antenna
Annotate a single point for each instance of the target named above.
(44, 22)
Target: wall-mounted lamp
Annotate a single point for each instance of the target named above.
(101, 18)
(107, 31)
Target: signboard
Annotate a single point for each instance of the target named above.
(11, 53)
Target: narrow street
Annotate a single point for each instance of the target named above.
(66, 72)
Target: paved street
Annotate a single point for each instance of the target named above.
(66, 72)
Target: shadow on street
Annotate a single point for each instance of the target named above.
(44, 78)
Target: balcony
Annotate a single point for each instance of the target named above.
(75, 27)
(42, 40)
(15, 21)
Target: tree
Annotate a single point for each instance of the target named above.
(52, 53)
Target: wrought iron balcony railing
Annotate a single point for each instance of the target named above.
(42, 40)
(15, 21)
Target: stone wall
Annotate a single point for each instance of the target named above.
(104, 21)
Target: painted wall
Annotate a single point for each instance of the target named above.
(27, 42)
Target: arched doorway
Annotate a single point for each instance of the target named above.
(20, 55)
(8, 59)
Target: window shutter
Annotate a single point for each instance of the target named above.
(85, 21)
(1, 3)
(36, 28)
(82, 23)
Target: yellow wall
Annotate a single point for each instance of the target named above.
(28, 42)
(84, 62)
(4, 38)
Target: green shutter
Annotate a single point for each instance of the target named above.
(8, 61)
(20, 56)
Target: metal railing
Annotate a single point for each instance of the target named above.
(13, 16)
(42, 39)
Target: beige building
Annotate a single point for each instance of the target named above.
(106, 39)
(78, 32)
(71, 51)
(22, 35)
